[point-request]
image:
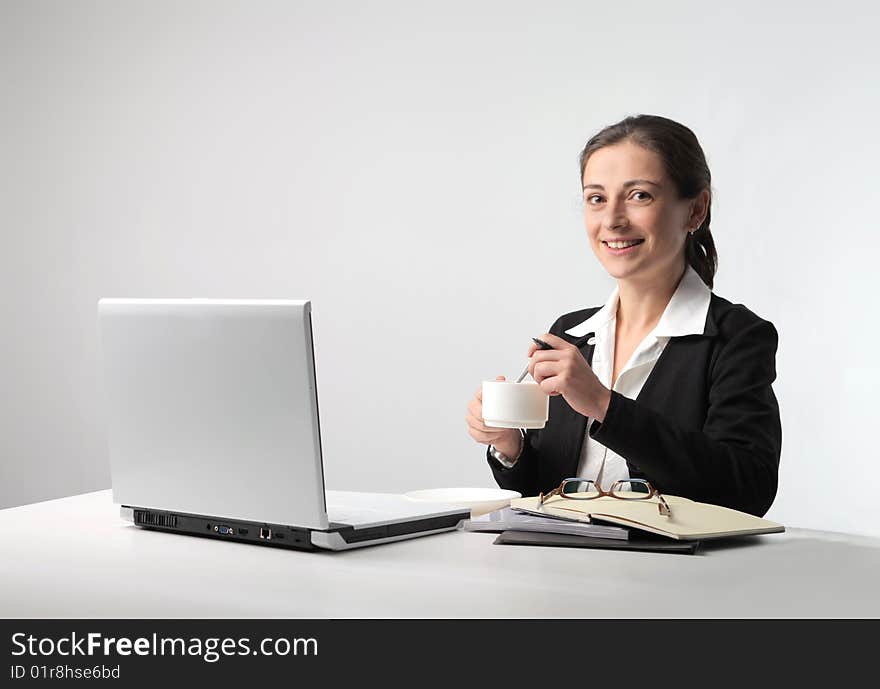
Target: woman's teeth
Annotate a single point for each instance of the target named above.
(623, 245)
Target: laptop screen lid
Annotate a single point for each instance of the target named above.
(212, 408)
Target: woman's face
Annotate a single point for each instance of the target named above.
(627, 196)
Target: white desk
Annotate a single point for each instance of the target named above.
(74, 557)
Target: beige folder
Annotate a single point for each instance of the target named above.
(689, 520)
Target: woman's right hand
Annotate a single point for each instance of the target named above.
(505, 440)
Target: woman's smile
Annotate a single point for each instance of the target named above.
(621, 247)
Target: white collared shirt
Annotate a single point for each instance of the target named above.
(685, 314)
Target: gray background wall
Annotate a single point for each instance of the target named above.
(412, 169)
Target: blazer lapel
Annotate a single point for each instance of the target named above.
(573, 425)
(673, 360)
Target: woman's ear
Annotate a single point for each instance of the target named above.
(699, 208)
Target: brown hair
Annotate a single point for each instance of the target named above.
(685, 164)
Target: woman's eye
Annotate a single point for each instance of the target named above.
(645, 196)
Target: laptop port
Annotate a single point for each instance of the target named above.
(224, 530)
(265, 533)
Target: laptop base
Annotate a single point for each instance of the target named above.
(337, 537)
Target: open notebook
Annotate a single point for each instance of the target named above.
(689, 520)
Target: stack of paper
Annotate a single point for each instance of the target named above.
(507, 519)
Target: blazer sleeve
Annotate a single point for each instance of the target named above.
(522, 476)
(733, 460)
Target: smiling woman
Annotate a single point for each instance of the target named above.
(674, 192)
(666, 381)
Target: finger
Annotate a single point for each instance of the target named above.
(476, 408)
(484, 438)
(555, 341)
(535, 371)
(548, 355)
(501, 378)
(545, 369)
(476, 423)
(553, 384)
(548, 385)
(542, 369)
(490, 436)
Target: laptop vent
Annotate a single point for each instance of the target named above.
(152, 519)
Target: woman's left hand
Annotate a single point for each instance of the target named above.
(564, 371)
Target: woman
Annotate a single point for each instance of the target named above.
(667, 381)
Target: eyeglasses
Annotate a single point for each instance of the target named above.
(585, 489)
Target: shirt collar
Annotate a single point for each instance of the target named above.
(685, 314)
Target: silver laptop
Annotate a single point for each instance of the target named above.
(213, 430)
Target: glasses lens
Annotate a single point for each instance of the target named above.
(634, 489)
(578, 488)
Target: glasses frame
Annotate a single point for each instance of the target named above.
(662, 505)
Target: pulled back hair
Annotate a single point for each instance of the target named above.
(685, 163)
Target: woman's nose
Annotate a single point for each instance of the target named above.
(615, 217)
(616, 222)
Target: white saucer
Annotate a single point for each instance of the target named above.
(480, 500)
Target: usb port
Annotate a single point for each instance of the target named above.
(265, 533)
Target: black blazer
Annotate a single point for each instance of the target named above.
(704, 426)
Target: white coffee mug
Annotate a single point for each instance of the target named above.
(507, 404)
